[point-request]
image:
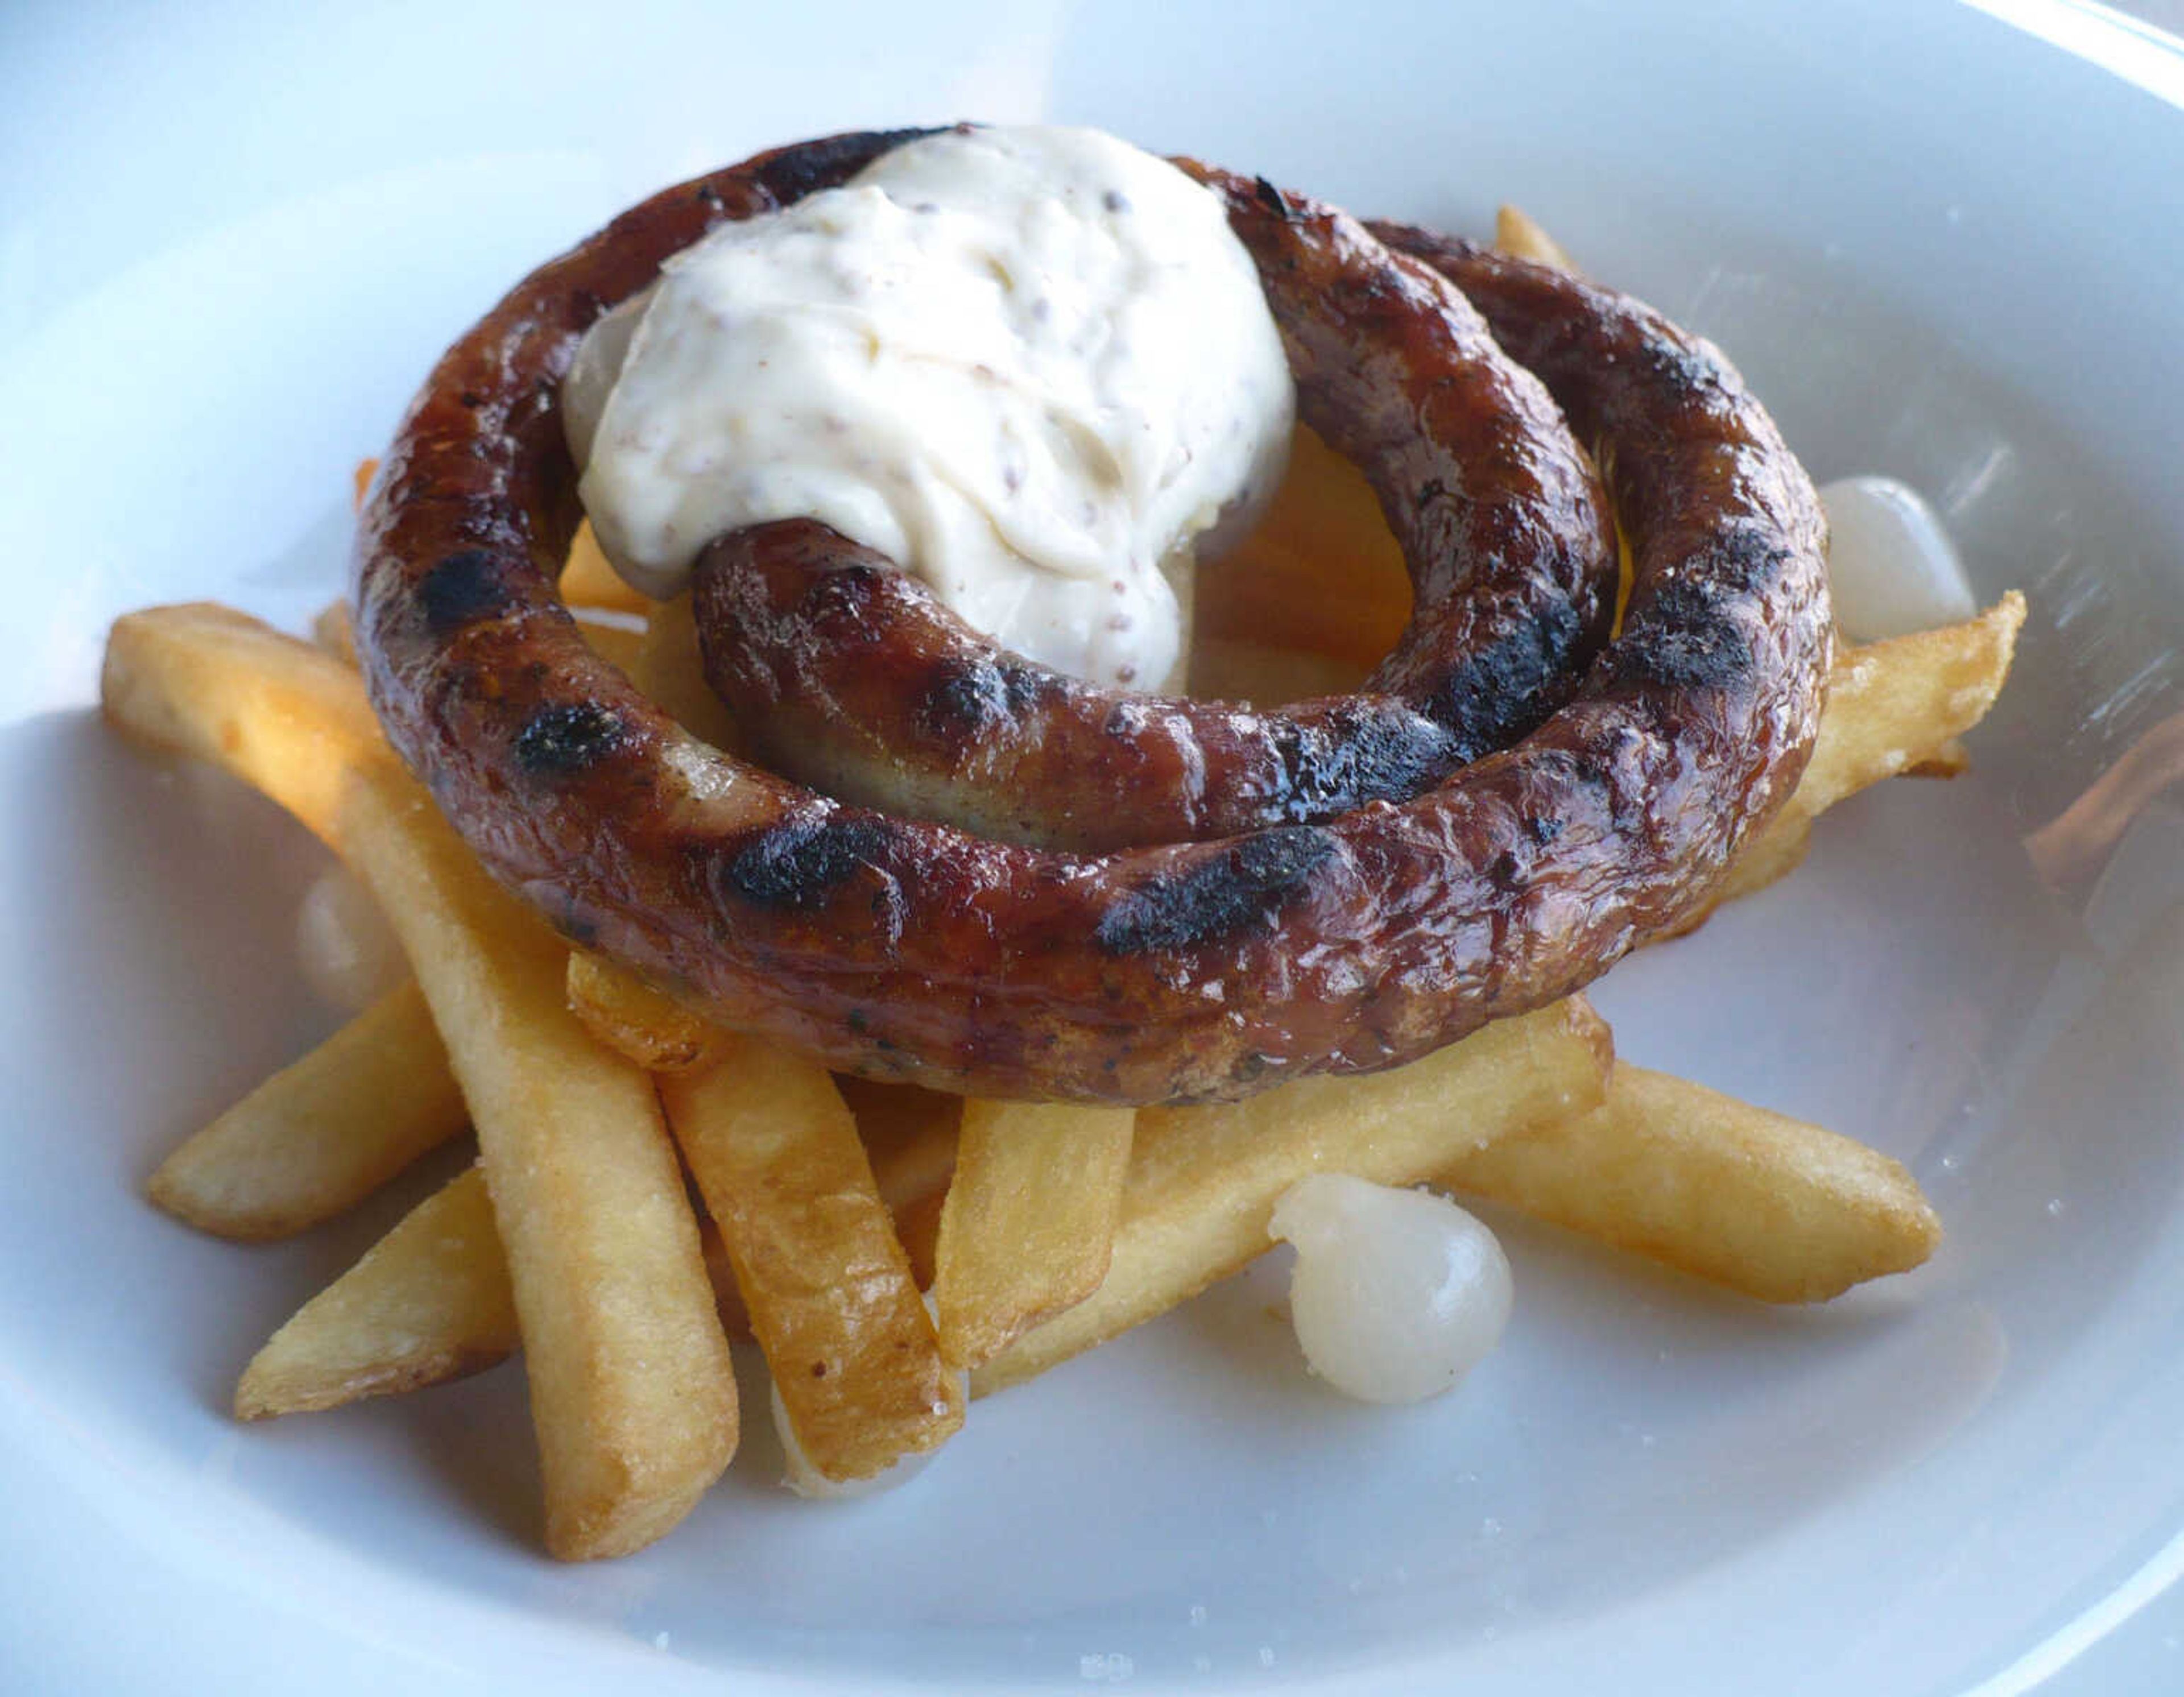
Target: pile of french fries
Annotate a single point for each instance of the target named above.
(648, 1187)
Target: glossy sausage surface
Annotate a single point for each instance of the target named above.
(852, 677)
(1186, 971)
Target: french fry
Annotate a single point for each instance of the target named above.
(429, 1302)
(646, 1026)
(777, 1157)
(321, 1135)
(205, 681)
(1517, 233)
(910, 1136)
(1203, 1182)
(587, 580)
(917, 1224)
(1893, 704)
(631, 1387)
(437, 1306)
(1892, 707)
(1767, 1205)
(1029, 1224)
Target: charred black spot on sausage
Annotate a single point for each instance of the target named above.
(843, 598)
(962, 701)
(980, 694)
(1024, 687)
(1244, 886)
(1503, 692)
(563, 739)
(464, 587)
(1364, 752)
(796, 172)
(1272, 199)
(798, 863)
(1690, 633)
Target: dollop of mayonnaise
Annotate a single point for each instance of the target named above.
(1396, 1294)
(1029, 365)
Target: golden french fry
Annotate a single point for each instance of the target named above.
(205, 681)
(1517, 233)
(1203, 1182)
(1948, 760)
(422, 1318)
(437, 1306)
(917, 1224)
(1894, 707)
(1029, 1224)
(429, 1302)
(1765, 1205)
(1893, 704)
(910, 1136)
(587, 580)
(321, 1135)
(631, 1387)
(360, 480)
(777, 1157)
(646, 1025)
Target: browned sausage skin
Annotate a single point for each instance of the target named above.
(852, 677)
(1179, 972)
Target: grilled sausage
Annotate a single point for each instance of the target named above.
(852, 677)
(1182, 972)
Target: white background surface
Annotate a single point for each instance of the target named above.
(231, 240)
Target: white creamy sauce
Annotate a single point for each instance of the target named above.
(1892, 567)
(1027, 365)
(1397, 1294)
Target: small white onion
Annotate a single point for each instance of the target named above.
(1397, 1293)
(348, 952)
(1890, 564)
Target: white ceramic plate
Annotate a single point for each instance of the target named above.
(1940, 245)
